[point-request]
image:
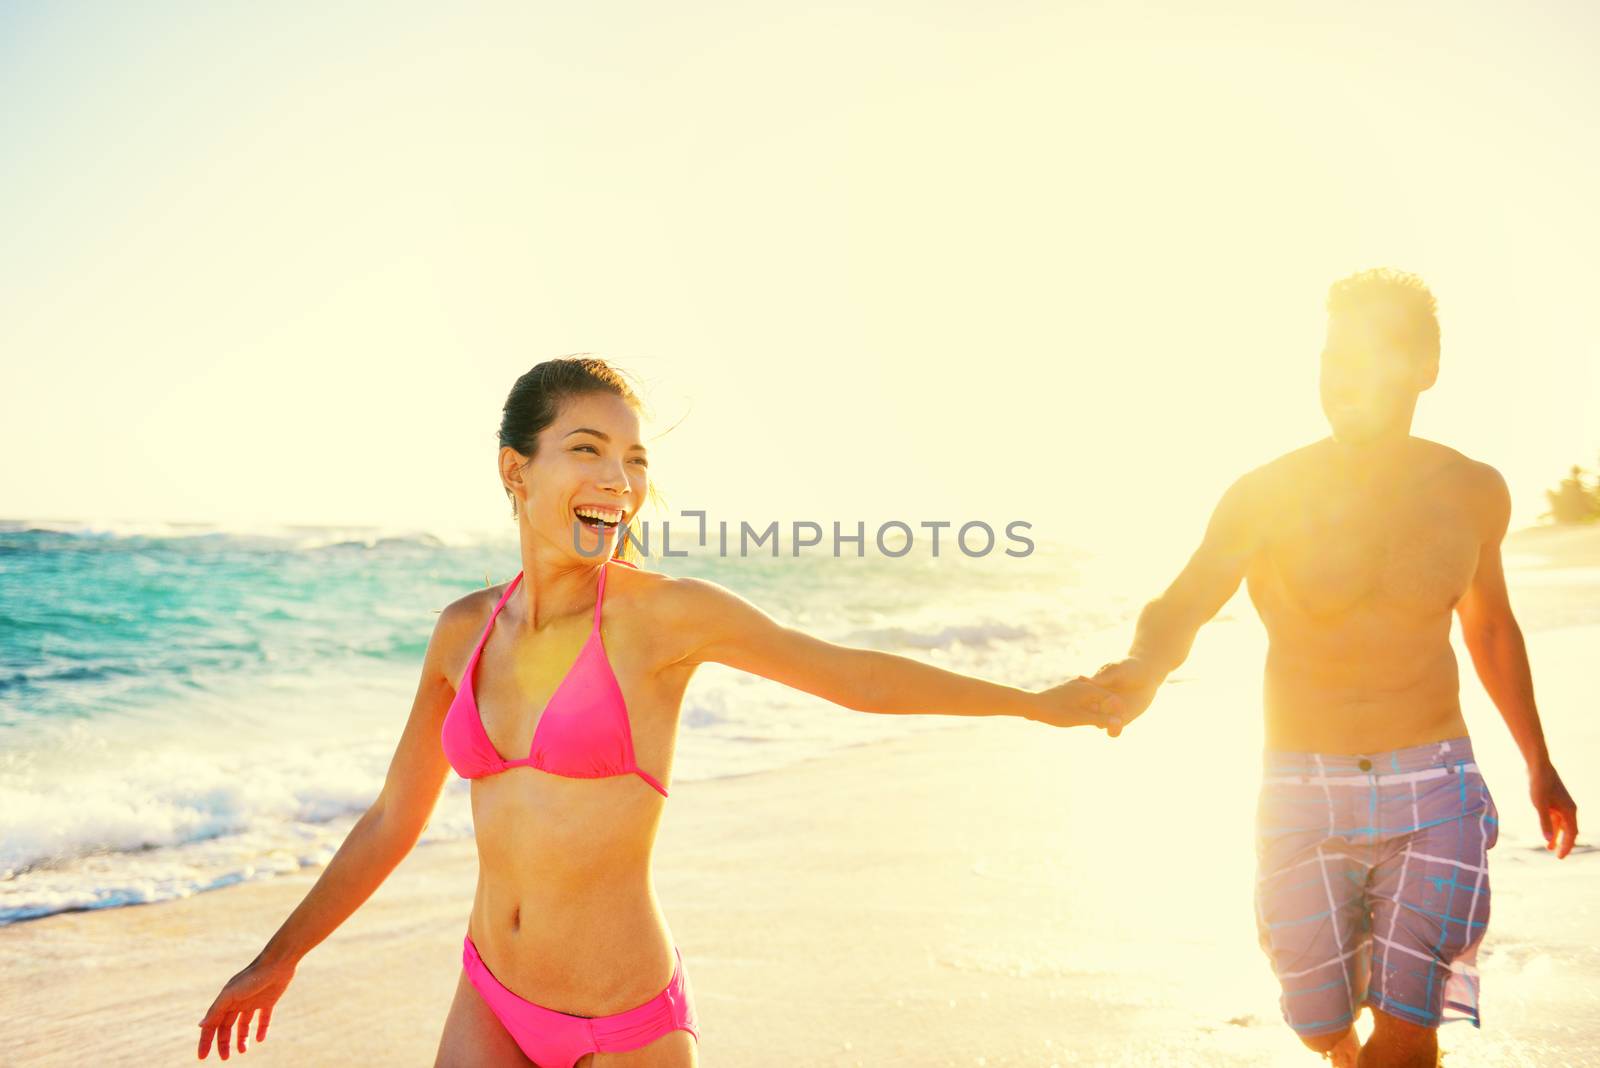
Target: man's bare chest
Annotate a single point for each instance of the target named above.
(1392, 553)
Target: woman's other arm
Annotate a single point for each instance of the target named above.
(377, 843)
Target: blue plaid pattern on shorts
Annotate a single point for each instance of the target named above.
(1372, 882)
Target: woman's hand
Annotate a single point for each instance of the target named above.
(1078, 703)
(256, 989)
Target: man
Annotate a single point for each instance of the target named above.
(1374, 824)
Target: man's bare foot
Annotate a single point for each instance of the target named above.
(1345, 1053)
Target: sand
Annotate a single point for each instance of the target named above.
(989, 893)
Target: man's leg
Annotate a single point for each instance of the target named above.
(1430, 898)
(1311, 914)
(1342, 1048)
(1397, 1043)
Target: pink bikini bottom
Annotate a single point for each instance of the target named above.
(557, 1039)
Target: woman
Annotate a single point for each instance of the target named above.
(567, 958)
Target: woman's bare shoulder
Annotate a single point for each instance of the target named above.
(458, 626)
(659, 592)
(672, 615)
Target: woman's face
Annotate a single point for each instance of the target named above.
(588, 475)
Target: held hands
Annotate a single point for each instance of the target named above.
(1558, 813)
(1135, 682)
(1078, 703)
(257, 987)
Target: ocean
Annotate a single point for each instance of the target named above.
(185, 707)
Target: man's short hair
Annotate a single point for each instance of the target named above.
(1407, 291)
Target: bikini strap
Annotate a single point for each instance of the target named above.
(504, 597)
(600, 592)
(487, 627)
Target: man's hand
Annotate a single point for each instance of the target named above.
(1134, 681)
(1558, 813)
(1078, 703)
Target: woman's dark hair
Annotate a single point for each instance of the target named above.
(536, 399)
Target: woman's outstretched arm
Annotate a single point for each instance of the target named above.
(375, 846)
(715, 625)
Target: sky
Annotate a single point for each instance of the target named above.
(1055, 262)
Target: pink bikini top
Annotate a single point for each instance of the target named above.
(583, 732)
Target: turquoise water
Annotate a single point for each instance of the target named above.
(183, 708)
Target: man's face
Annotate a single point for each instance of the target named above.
(1372, 372)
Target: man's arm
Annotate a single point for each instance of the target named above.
(1501, 659)
(1168, 625)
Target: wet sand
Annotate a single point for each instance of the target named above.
(992, 893)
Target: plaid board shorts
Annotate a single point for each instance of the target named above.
(1372, 883)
